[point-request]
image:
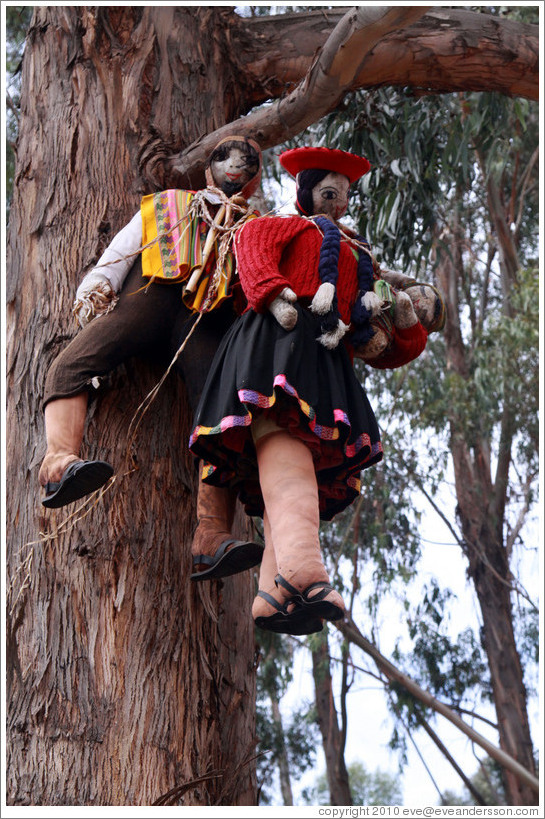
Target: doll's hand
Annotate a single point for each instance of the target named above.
(283, 310)
(372, 302)
(323, 299)
(331, 338)
(94, 297)
(404, 313)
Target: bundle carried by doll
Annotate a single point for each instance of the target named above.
(398, 302)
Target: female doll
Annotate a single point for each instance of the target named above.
(283, 419)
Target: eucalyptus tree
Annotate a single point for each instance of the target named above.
(368, 788)
(286, 745)
(126, 686)
(453, 197)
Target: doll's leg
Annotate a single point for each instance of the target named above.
(267, 611)
(267, 571)
(290, 491)
(136, 325)
(65, 477)
(215, 552)
(64, 426)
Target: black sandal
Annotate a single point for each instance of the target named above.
(78, 479)
(317, 604)
(242, 555)
(295, 622)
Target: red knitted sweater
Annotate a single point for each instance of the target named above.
(284, 251)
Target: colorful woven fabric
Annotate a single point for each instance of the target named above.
(264, 372)
(173, 241)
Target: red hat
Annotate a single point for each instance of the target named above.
(325, 159)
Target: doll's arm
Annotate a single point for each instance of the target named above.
(283, 310)
(119, 256)
(96, 293)
(404, 312)
(407, 344)
(259, 245)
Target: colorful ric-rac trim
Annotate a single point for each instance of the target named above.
(257, 399)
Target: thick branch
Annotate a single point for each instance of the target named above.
(434, 51)
(446, 50)
(352, 633)
(330, 77)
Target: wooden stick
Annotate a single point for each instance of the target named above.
(209, 244)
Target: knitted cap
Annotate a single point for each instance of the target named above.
(325, 159)
(251, 186)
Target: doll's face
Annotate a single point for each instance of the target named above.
(330, 196)
(231, 169)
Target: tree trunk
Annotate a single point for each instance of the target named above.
(337, 775)
(125, 680)
(481, 503)
(283, 761)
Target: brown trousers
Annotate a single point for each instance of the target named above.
(150, 322)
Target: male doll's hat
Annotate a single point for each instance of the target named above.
(324, 159)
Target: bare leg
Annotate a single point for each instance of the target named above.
(267, 573)
(64, 426)
(268, 611)
(290, 491)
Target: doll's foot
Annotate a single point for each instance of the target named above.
(232, 556)
(283, 618)
(318, 599)
(215, 552)
(54, 466)
(80, 478)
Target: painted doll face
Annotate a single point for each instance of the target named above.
(330, 196)
(232, 168)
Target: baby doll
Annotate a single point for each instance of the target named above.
(404, 303)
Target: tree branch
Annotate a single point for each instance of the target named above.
(349, 629)
(521, 517)
(448, 756)
(526, 179)
(329, 78)
(447, 50)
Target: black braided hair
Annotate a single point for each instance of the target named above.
(361, 316)
(328, 268)
(306, 182)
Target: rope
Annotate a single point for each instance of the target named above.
(199, 209)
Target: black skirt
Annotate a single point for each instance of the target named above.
(310, 391)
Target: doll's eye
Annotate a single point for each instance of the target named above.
(329, 194)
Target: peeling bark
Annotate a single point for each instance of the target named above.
(125, 679)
